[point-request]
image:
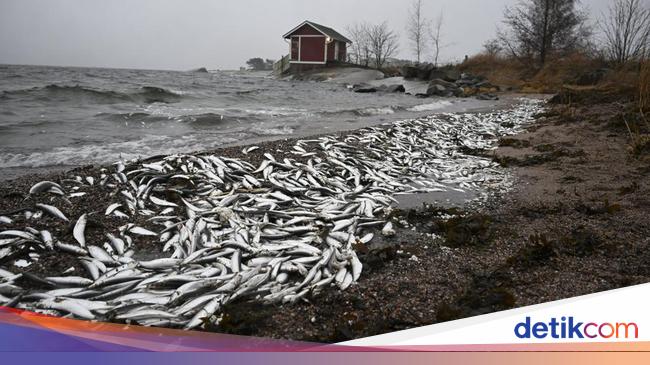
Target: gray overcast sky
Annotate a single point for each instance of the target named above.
(175, 34)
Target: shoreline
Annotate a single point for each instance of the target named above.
(506, 100)
(580, 205)
(438, 268)
(338, 186)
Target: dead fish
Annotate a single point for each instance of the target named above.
(44, 186)
(69, 280)
(142, 231)
(249, 149)
(52, 210)
(100, 254)
(19, 234)
(111, 208)
(117, 243)
(79, 230)
(68, 306)
(164, 263)
(70, 248)
(161, 202)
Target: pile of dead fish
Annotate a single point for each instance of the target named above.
(229, 230)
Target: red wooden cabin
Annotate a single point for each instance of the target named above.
(315, 44)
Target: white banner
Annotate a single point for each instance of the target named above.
(621, 315)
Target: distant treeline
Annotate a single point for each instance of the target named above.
(259, 64)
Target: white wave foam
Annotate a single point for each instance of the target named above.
(431, 106)
(278, 131)
(377, 111)
(277, 111)
(111, 152)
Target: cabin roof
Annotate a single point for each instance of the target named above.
(326, 31)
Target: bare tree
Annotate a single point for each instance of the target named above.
(416, 29)
(492, 47)
(435, 33)
(626, 30)
(539, 28)
(361, 51)
(383, 43)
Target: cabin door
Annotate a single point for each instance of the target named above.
(295, 48)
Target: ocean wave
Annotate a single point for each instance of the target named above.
(276, 111)
(431, 106)
(206, 119)
(130, 117)
(375, 111)
(146, 94)
(199, 120)
(363, 112)
(153, 94)
(111, 152)
(272, 131)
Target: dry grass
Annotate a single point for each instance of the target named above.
(644, 87)
(499, 70)
(562, 71)
(640, 144)
(510, 73)
(628, 84)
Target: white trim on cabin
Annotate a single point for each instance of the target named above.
(308, 62)
(336, 51)
(301, 24)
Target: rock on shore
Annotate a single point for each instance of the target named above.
(449, 81)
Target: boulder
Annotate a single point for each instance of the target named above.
(437, 90)
(440, 87)
(469, 80)
(409, 72)
(485, 85)
(397, 88)
(449, 74)
(364, 88)
(441, 82)
(419, 71)
(424, 71)
(458, 92)
(487, 97)
(201, 70)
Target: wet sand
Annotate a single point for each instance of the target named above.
(575, 223)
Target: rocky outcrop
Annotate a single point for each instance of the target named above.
(447, 74)
(428, 72)
(420, 71)
(365, 88)
(449, 81)
(487, 96)
(392, 88)
(439, 87)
